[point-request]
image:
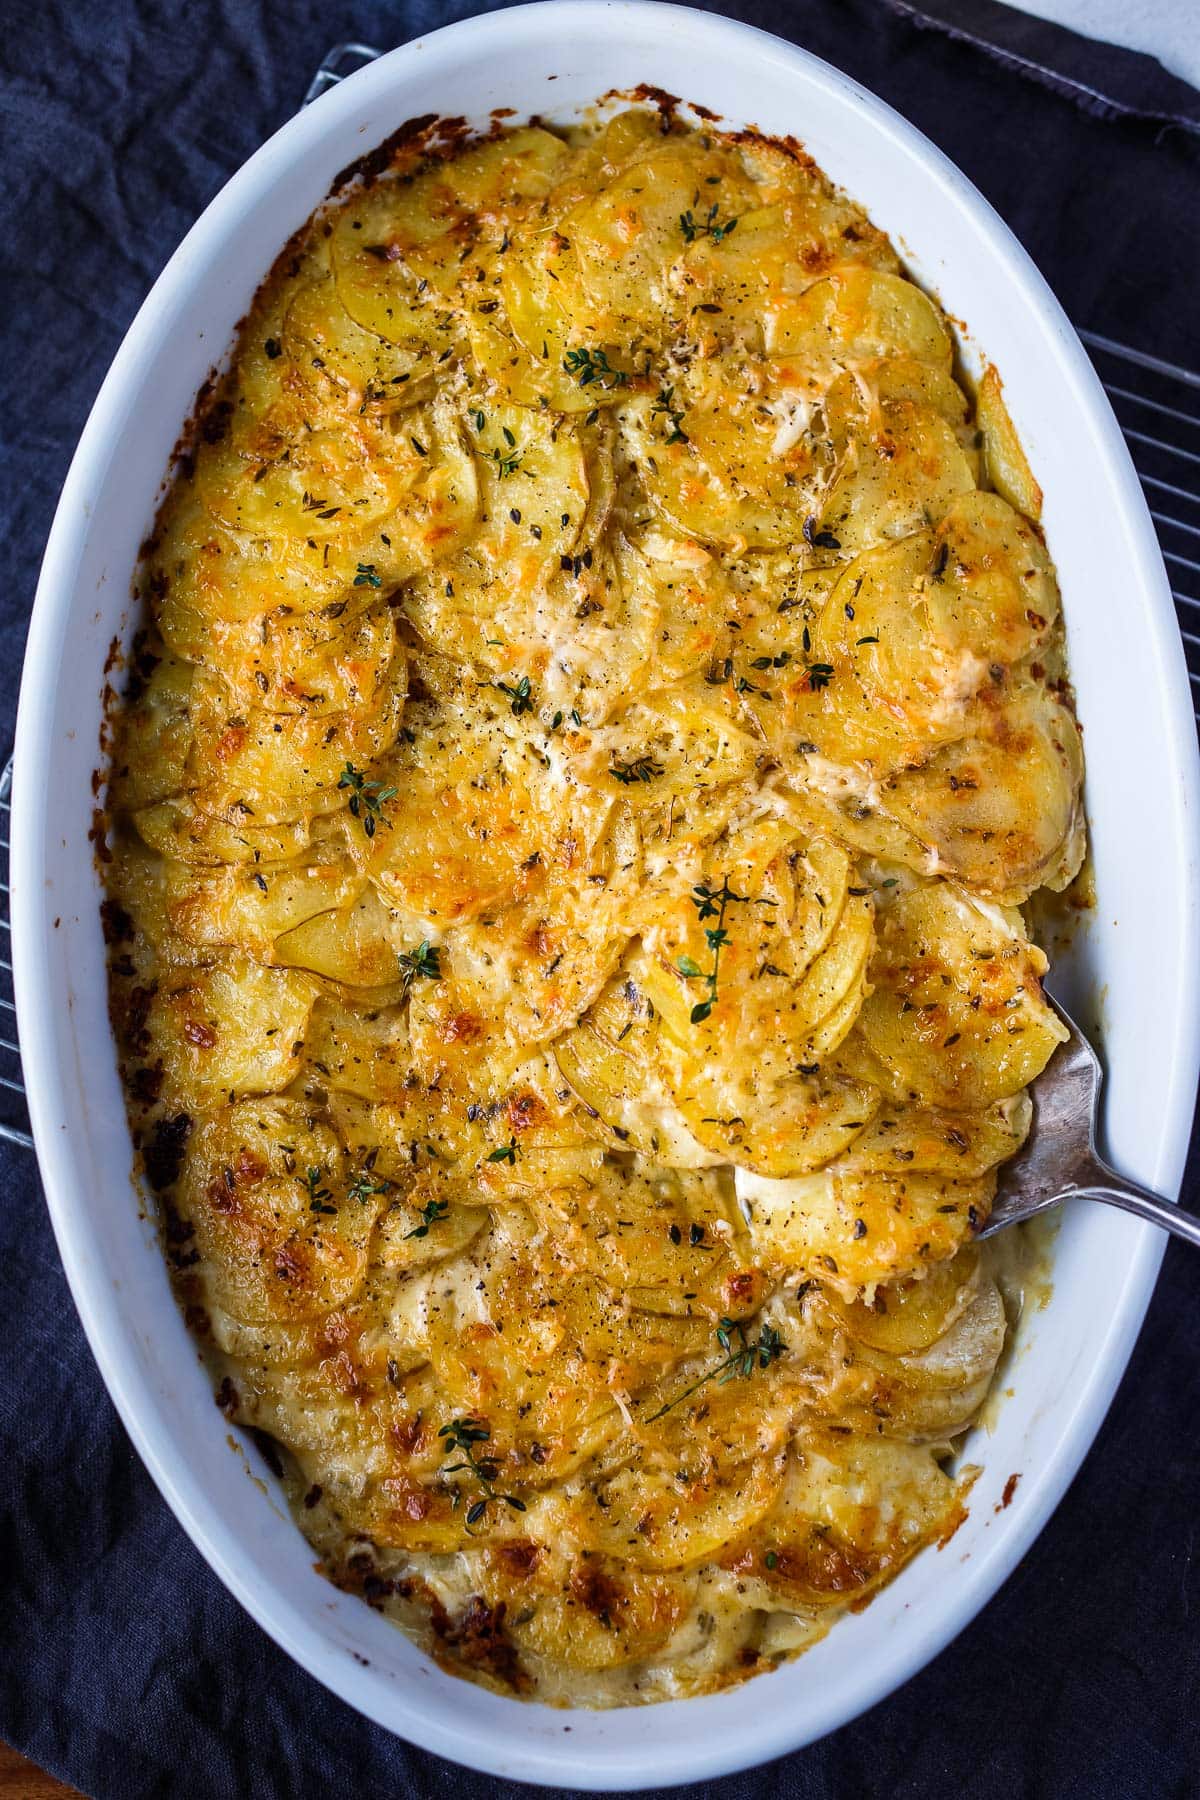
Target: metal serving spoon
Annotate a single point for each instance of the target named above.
(1059, 1160)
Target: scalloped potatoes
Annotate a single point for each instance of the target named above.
(600, 715)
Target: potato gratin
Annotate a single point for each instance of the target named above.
(600, 714)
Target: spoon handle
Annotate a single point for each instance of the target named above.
(1116, 1191)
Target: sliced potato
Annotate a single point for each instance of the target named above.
(1002, 811)
(1005, 462)
(262, 1189)
(903, 475)
(957, 1015)
(280, 765)
(854, 315)
(854, 1230)
(852, 1512)
(230, 1030)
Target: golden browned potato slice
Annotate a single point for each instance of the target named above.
(596, 1613)
(921, 1140)
(854, 315)
(667, 1240)
(265, 1193)
(224, 1032)
(756, 978)
(790, 940)
(476, 822)
(934, 1393)
(150, 753)
(330, 661)
(250, 905)
(1005, 462)
(957, 1016)
(545, 489)
(357, 945)
(856, 1229)
(894, 479)
(350, 1052)
(179, 829)
(707, 1475)
(721, 467)
(548, 343)
(757, 272)
(907, 1317)
(282, 765)
(627, 237)
(427, 1220)
(991, 584)
(612, 1062)
(518, 976)
(1003, 809)
(852, 1512)
(394, 244)
(853, 403)
(342, 363)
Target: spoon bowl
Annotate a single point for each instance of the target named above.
(1059, 1160)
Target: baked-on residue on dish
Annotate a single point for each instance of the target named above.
(600, 713)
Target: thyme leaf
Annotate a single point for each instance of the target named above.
(506, 1153)
(590, 366)
(366, 1183)
(665, 404)
(742, 1356)
(462, 1436)
(520, 695)
(507, 461)
(710, 225)
(367, 798)
(319, 1196)
(422, 964)
(432, 1213)
(710, 903)
(642, 768)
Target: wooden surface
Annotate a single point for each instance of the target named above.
(19, 1780)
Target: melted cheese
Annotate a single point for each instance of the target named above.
(591, 742)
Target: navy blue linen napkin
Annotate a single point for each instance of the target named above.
(126, 1668)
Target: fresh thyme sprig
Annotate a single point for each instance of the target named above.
(642, 768)
(507, 461)
(366, 1183)
(742, 1356)
(367, 798)
(432, 1213)
(590, 366)
(520, 695)
(710, 903)
(462, 1435)
(319, 1197)
(665, 404)
(709, 226)
(422, 964)
(506, 1153)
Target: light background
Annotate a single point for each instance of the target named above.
(1168, 29)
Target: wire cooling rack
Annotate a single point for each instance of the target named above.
(1157, 404)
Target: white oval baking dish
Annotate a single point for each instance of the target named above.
(1139, 951)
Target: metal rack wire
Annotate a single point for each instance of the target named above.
(14, 1121)
(1158, 408)
(1157, 404)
